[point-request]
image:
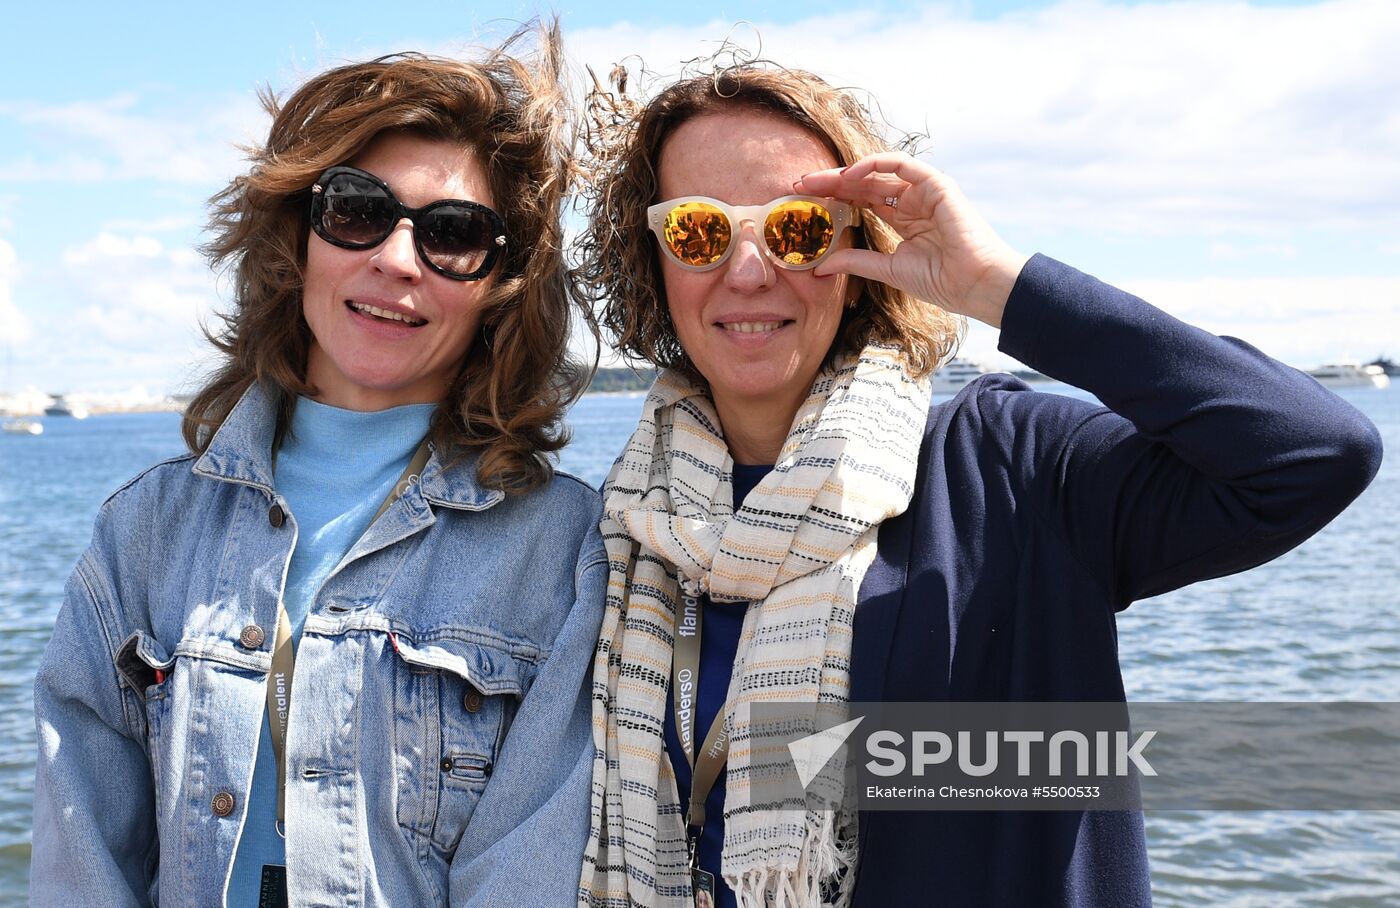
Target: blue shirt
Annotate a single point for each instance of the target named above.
(719, 646)
(334, 469)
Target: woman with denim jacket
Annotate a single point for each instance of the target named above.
(796, 520)
(337, 654)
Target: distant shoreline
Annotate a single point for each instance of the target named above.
(618, 383)
(606, 383)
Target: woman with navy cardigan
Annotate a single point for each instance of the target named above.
(794, 520)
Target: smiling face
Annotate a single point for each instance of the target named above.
(387, 330)
(756, 332)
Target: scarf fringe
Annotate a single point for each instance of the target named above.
(823, 878)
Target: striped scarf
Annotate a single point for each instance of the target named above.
(798, 548)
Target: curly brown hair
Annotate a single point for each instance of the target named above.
(619, 267)
(508, 401)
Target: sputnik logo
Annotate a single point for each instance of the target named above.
(811, 754)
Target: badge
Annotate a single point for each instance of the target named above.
(702, 883)
(272, 893)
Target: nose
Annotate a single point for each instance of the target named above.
(748, 269)
(396, 256)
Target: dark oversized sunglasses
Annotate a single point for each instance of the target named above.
(354, 209)
(697, 232)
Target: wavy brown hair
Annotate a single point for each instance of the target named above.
(507, 404)
(619, 267)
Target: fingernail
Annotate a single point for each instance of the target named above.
(797, 185)
(846, 168)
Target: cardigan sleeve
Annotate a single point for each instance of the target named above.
(1209, 457)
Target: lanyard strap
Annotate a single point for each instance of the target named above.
(279, 702)
(708, 763)
(279, 681)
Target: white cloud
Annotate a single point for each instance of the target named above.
(1222, 251)
(1291, 319)
(1200, 116)
(29, 169)
(14, 326)
(1301, 321)
(111, 246)
(120, 141)
(157, 224)
(138, 316)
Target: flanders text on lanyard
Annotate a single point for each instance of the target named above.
(279, 682)
(705, 766)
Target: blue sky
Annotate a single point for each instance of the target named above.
(1236, 163)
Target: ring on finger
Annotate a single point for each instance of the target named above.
(892, 201)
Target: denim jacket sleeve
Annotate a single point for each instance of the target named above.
(94, 812)
(525, 842)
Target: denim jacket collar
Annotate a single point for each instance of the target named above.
(241, 451)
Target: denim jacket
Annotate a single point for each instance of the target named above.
(439, 748)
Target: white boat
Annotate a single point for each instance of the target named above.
(1350, 375)
(954, 374)
(61, 407)
(23, 427)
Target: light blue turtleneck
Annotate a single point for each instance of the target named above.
(334, 469)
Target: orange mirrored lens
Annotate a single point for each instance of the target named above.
(799, 232)
(697, 233)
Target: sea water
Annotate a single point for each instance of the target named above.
(1320, 623)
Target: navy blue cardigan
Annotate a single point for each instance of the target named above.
(1037, 516)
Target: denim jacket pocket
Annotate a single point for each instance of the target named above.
(455, 700)
(143, 663)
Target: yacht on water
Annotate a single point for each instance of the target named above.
(956, 372)
(1350, 375)
(1386, 364)
(61, 407)
(22, 427)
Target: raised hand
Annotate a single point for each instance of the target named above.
(948, 256)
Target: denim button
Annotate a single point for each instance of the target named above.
(251, 637)
(276, 516)
(472, 701)
(222, 804)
